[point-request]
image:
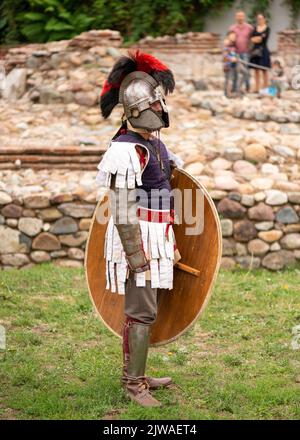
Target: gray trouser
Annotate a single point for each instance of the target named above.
(244, 75)
(229, 78)
(140, 302)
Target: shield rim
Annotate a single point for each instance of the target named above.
(213, 280)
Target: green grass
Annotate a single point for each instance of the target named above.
(236, 363)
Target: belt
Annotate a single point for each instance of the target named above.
(151, 215)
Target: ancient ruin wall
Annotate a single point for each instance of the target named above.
(258, 230)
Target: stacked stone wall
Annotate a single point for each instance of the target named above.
(258, 230)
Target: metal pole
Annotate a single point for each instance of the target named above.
(252, 64)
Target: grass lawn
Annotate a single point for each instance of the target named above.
(236, 363)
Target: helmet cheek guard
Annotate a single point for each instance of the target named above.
(148, 119)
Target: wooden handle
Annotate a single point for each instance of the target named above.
(188, 269)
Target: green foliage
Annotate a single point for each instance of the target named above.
(47, 20)
(294, 6)
(260, 7)
(50, 20)
(9, 29)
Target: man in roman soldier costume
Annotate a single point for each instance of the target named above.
(141, 251)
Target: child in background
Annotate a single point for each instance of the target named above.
(229, 62)
(278, 79)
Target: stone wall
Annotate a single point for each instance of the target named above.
(289, 41)
(49, 55)
(40, 228)
(259, 229)
(61, 71)
(200, 42)
(73, 70)
(288, 51)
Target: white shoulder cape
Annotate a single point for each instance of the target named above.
(122, 159)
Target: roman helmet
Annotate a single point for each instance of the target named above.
(136, 81)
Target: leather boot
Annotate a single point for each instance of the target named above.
(135, 352)
(137, 389)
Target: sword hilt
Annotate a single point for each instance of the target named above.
(188, 269)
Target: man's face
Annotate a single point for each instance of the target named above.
(156, 106)
(240, 17)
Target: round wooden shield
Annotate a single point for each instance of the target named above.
(194, 274)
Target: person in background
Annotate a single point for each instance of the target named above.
(278, 78)
(229, 62)
(243, 31)
(260, 54)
